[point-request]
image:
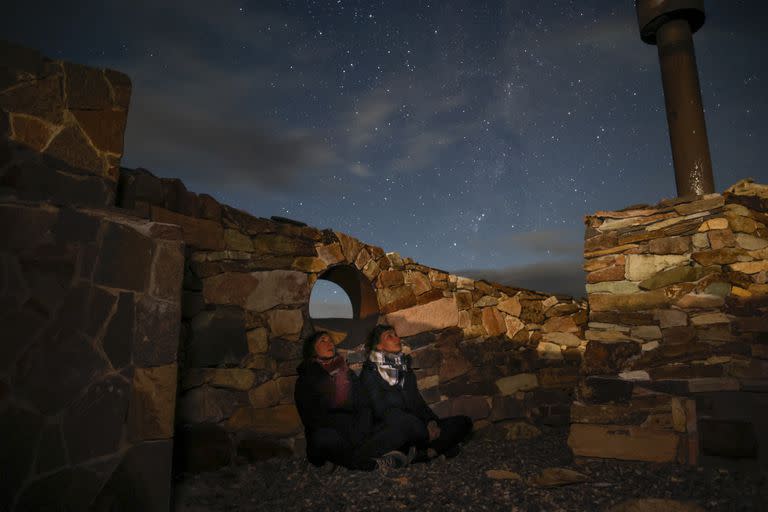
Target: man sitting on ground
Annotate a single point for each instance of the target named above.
(391, 385)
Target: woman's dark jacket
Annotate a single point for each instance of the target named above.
(387, 400)
(313, 395)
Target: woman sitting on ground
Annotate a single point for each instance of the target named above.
(391, 386)
(335, 410)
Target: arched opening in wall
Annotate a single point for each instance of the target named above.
(343, 302)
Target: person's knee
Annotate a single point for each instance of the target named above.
(410, 426)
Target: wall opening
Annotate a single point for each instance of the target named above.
(343, 302)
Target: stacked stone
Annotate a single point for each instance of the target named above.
(91, 304)
(679, 293)
(489, 351)
(61, 127)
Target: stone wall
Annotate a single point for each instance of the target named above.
(90, 300)
(492, 352)
(89, 320)
(61, 128)
(678, 297)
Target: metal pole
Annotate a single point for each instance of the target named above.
(670, 24)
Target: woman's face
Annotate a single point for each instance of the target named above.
(324, 347)
(389, 341)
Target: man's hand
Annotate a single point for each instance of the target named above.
(434, 430)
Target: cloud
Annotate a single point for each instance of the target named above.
(554, 242)
(565, 277)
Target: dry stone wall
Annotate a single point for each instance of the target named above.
(90, 306)
(61, 127)
(678, 297)
(492, 352)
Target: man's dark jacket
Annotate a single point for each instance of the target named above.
(389, 400)
(313, 395)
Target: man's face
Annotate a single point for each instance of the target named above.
(324, 347)
(389, 341)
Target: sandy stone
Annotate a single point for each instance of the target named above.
(510, 306)
(502, 474)
(635, 376)
(277, 287)
(229, 288)
(741, 224)
(749, 242)
(750, 267)
(371, 270)
(665, 224)
(741, 292)
(514, 325)
(554, 477)
(628, 303)
(330, 253)
(389, 278)
(702, 385)
(286, 323)
(31, 132)
(428, 382)
(614, 250)
(565, 339)
(623, 442)
(610, 225)
(105, 128)
(607, 336)
(257, 341)
(651, 345)
(560, 324)
(266, 395)
(616, 287)
(199, 233)
(719, 238)
(434, 315)
(485, 301)
(641, 266)
(700, 241)
(231, 378)
(152, 408)
(699, 301)
(514, 383)
(493, 322)
(612, 273)
(308, 264)
(547, 350)
(677, 275)
(670, 245)
(465, 320)
(710, 224)
(646, 332)
(670, 318)
(710, 318)
(700, 205)
(397, 298)
(465, 283)
(234, 240)
(418, 281)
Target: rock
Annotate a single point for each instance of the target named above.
(125, 259)
(676, 275)
(618, 287)
(670, 245)
(202, 447)
(257, 340)
(565, 339)
(607, 358)
(628, 303)
(152, 408)
(330, 253)
(510, 306)
(751, 243)
(709, 319)
(397, 298)
(722, 256)
(285, 323)
(156, 340)
(517, 430)
(605, 389)
(514, 325)
(699, 301)
(655, 505)
(502, 474)
(254, 450)
(646, 332)
(265, 395)
(612, 273)
(105, 128)
(199, 233)
(750, 267)
(553, 477)
(506, 407)
(547, 350)
(217, 338)
(418, 282)
(635, 376)
(623, 442)
(719, 223)
(720, 238)
(434, 315)
(640, 266)
(277, 287)
(670, 318)
(514, 383)
(493, 322)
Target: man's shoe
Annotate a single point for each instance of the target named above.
(392, 460)
(411, 455)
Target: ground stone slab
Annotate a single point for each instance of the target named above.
(655, 505)
(555, 477)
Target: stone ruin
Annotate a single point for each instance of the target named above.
(148, 329)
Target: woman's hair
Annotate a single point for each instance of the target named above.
(308, 350)
(375, 336)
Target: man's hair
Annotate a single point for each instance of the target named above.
(308, 349)
(375, 336)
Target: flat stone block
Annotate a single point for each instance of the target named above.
(622, 442)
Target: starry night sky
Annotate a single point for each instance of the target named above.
(472, 136)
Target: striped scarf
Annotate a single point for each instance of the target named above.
(392, 367)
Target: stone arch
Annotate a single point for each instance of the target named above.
(365, 307)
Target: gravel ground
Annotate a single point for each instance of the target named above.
(461, 483)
